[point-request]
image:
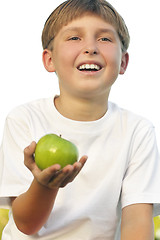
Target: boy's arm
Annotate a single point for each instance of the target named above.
(32, 208)
(137, 222)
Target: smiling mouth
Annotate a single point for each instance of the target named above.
(89, 67)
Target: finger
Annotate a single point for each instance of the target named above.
(77, 168)
(83, 159)
(49, 173)
(28, 154)
(61, 175)
(71, 176)
(30, 149)
(79, 165)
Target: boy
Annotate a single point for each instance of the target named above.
(85, 42)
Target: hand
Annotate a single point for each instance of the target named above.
(52, 177)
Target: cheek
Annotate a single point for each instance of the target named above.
(113, 58)
(67, 53)
(63, 62)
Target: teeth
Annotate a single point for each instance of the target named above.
(89, 66)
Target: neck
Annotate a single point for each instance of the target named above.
(81, 109)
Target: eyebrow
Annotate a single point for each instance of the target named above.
(80, 29)
(106, 30)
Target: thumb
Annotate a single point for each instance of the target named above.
(30, 149)
(28, 155)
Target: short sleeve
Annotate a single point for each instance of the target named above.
(14, 176)
(142, 178)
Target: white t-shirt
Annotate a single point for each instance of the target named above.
(123, 168)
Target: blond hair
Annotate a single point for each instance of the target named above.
(73, 9)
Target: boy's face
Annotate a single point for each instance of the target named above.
(87, 57)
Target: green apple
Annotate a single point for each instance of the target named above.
(4, 213)
(52, 149)
(157, 227)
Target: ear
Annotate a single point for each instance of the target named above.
(47, 59)
(124, 62)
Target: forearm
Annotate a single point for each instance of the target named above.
(139, 232)
(32, 209)
(137, 222)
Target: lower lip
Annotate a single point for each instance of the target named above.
(90, 73)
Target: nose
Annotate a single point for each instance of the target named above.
(91, 52)
(90, 48)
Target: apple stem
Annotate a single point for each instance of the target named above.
(60, 135)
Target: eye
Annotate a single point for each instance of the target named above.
(105, 39)
(74, 38)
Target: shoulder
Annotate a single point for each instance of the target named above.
(29, 109)
(129, 119)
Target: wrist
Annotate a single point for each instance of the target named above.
(45, 188)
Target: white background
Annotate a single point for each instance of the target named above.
(23, 77)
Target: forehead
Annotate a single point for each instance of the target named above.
(88, 22)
